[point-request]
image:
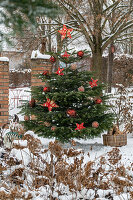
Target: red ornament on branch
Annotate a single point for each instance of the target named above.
(98, 101)
(80, 54)
(26, 118)
(46, 72)
(65, 32)
(47, 124)
(71, 112)
(93, 83)
(53, 128)
(66, 55)
(52, 59)
(33, 117)
(50, 104)
(32, 103)
(95, 124)
(80, 126)
(73, 66)
(81, 89)
(59, 72)
(46, 89)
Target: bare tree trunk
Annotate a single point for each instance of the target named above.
(49, 36)
(131, 47)
(97, 64)
(97, 41)
(110, 69)
(59, 47)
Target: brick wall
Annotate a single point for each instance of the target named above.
(19, 79)
(4, 91)
(38, 66)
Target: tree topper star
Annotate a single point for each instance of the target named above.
(59, 72)
(93, 83)
(80, 126)
(65, 32)
(50, 104)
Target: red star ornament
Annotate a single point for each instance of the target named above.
(93, 83)
(50, 104)
(66, 55)
(79, 126)
(65, 32)
(59, 72)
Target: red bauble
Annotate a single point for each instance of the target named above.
(26, 118)
(53, 128)
(71, 112)
(46, 72)
(81, 89)
(80, 54)
(73, 66)
(47, 124)
(98, 101)
(32, 103)
(52, 59)
(95, 124)
(33, 117)
(46, 89)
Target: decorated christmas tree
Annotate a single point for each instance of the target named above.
(69, 104)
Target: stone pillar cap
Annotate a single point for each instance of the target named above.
(4, 59)
(37, 55)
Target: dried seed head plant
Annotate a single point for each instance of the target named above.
(122, 106)
(63, 173)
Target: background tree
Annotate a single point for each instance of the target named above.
(93, 19)
(16, 15)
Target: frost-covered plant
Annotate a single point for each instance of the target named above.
(2, 130)
(122, 106)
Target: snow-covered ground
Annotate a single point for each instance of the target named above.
(91, 150)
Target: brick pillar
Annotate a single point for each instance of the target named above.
(4, 90)
(38, 66)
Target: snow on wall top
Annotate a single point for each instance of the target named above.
(20, 70)
(4, 59)
(36, 54)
